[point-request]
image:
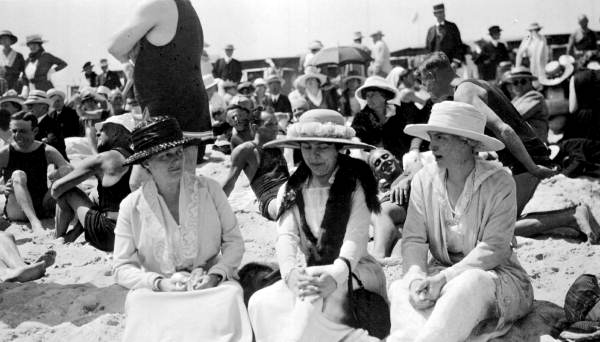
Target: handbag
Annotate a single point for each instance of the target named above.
(366, 309)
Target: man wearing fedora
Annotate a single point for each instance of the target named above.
(25, 162)
(381, 65)
(97, 221)
(228, 68)
(11, 60)
(357, 42)
(107, 77)
(491, 52)
(275, 99)
(40, 64)
(48, 128)
(444, 36)
(265, 168)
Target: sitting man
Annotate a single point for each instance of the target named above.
(12, 266)
(265, 168)
(388, 171)
(25, 163)
(239, 116)
(529, 102)
(97, 221)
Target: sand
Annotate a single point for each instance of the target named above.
(78, 300)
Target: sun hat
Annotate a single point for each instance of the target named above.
(13, 38)
(315, 45)
(456, 118)
(229, 47)
(103, 90)
(438, 8)
(11, 96)
(517, 73)
(241, 102)
(534, 27)
(259, 82)
(319, 125)
(377, 83)
(377, 33)
(87, 64)
(87, 94)
(311, 72)
(245, 85)
(358, 35)
(494, 29)
(155, 135)
(37, 96)
(352, 75)
(56, 92)
(126, 120)
(35, 38)
(274, 78)
(556, 72)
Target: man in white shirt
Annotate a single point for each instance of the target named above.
(381, 56)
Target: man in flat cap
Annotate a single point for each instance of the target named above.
(491, 51)
(444, 36)
(228, 68)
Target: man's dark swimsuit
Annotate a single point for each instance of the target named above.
(271, 173)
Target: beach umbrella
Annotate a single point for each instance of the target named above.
(340, 55)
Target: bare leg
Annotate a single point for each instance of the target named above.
(64, 216)
(23, 198)
(578, 218)
(386, 232)
(74, 202)
(15, 268)
(526, 184)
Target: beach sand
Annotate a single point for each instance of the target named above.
(78, 300)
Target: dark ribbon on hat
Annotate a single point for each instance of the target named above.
(556, 72)
(155, 134)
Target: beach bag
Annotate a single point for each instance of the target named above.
(365, 309)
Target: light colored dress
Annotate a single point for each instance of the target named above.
(149, 243)
(535, 48)
(474, 235)
(277, 315)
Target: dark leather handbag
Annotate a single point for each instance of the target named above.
(365, 309)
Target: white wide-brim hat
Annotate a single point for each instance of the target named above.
(38, 96)
(301, 80)
(459, 119)
(556, 73)
(376, 83)
(126, 120)
(320, 125)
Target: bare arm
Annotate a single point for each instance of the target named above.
(86, 169)
(144, 20)
(573, 105)
(470, 93)
(239, 156)
(62, 167)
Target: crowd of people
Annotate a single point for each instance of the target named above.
(438, 158)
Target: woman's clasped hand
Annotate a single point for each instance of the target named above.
(186, 281)
(311, 286)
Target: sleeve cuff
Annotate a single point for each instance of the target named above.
(218, 270)
(339, 271)
(150, 278)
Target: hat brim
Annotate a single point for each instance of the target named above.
(302, 78)
(46, 102)
(569, 68)
(13, 38)
(486, 143)
(140, 156)
(36, 42)
(512, 77)
(387, 89)
(17, 100)
(295, 143)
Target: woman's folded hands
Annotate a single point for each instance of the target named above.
(312, 286)
(186, 281)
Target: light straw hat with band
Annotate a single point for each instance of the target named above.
(156, 135)
(377, 83)
(459, 119)
(319, 125)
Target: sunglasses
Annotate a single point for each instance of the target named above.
(519, 82)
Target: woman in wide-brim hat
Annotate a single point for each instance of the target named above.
(177, 233)
(324, 209)
(40, 64)
(381, 122)
(462, 211)
(315, 94)
(11, 60)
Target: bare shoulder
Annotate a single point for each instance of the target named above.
(242, 152)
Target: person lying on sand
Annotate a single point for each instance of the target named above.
(25, 163)
(97, 220)
(12, 266)
(265, 168)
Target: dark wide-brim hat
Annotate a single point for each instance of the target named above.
(7, 33)
(156, 135)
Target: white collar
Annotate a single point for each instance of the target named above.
(442, 23)
(275, 97)
(228, 59)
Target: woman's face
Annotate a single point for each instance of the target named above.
(450, 150)
(320, 157)
(375, 99)
(167, 165)
(312, 83)
(34, 47)
(519, 86)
